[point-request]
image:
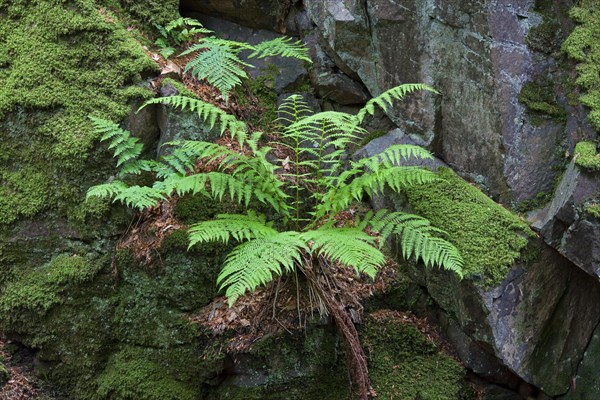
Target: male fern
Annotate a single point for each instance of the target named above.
(306, 195)
(220, 61)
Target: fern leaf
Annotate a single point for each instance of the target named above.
(419, 238)
(385, 99)
(106, 190)
(281, 46)
(140, 197)
(350, 247)
(217, 61)
(126, 147)
(207, 112)
(257, 261)
(227, 226)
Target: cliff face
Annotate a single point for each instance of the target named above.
(507, 119)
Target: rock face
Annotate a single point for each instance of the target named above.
(476, 54)
(566, 224)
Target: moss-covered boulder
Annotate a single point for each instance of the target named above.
(519, 301)
(404, 364)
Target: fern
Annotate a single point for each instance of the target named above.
(207, 112)
(281, 46)
(231, 226)
(219, 62)
(306, 194)
(416, 236)
(176, 32)
(256, 262)
(347, 246)
(139, 197)
(106, 190)
(386, 99)
(126, 148)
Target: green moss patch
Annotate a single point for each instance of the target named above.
(540, 98)
(593, 210)
(59, 63)
(586, 156)
(404, 364)
(489, 237)
(41, 289)
(583, 45)
(130, 375)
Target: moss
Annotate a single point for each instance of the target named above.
(130, 375)
(191, 209)
(293, 367)
(546, 36)
(404, 364)
(586, 156)
(540, 98)
(489, 237)
(540, 199)
(41, 289)
(593, 210)
(583, 45)
(262, 88)
(59, 62)
(23, 193)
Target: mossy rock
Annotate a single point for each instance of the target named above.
(306, 365)
(489, 237)
(586, 156)
(404, 364)
(541, 99)
(59, 63)
(130, 375)
(36, 292)
(583, 46)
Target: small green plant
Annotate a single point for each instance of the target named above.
(218, 60)
(176, 32)
(306, 193)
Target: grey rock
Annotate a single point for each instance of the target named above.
(180, 125)
(263, 14)
(541, 315)
(566, 226)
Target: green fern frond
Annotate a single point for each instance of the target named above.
(218, 62)
(227, 226)
(126, 148)
(350, 247)
(362, 183)
(258, 261)
(419, 238)
(139, 197)
(385, 99)
(281, 46)
(106, 190)
(136, 167)
(209, 113)
(292, 109)
(394, 155)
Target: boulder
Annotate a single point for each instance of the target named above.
(568, 223)
(262, 14)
